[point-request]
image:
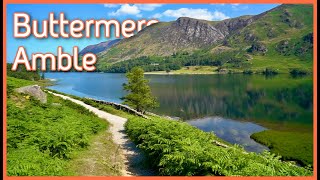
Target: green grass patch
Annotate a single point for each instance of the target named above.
(107, 108)
(290, 145)
(101, 158)
(103, 107)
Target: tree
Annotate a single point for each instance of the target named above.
(139, 96)
(42, 75)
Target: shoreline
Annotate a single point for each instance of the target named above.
(172, 73)
(170, 118)
(156, 115)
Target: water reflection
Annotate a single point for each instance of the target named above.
(280, 100)
(235, 132)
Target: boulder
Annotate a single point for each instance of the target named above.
(258, 47)
(34, 91)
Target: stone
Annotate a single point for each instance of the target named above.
(34, 91)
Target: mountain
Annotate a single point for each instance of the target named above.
(166, 38)
(97, 48)
(282, 36)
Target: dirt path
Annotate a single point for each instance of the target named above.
(133, 157)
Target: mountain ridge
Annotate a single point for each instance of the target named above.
(247, 38)
(97, 48)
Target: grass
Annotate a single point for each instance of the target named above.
(282, 64)
(290, 145)
(48, 139)
(103, 107)
(107, 108)
(101, 158)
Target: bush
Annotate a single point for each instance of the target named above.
(22, 73)
(269, 71)
(248, 71)
(176, 148)
(298, 72)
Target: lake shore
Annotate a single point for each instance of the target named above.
(178, 73)
(256, 92)
(157, 119)
(297, 156)
(188, 70)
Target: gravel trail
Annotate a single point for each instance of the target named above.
(132, 156)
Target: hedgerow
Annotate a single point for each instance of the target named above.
(176, 148)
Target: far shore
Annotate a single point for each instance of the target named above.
(175, 73)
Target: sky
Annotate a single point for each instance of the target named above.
(162, 12)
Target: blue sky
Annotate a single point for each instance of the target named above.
(163, 12)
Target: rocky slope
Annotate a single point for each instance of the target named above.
(166, 38)
(97, 48)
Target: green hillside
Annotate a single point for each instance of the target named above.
(280, 39)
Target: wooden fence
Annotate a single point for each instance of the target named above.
(120, 107)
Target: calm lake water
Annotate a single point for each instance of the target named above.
(233, 106)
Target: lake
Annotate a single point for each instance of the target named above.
(233, 106)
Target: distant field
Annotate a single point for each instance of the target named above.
(190, 70)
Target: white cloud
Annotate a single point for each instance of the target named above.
(148, 7)
(193, 13)
(126, 9)
(219, 15)
(111, 5)
(157, 16)
(134, 9)
(237, 7)
(235, 4)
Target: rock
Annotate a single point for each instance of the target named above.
(271, 33)
(250, 37)
(191, 32)
(34, 91)
(258, 47)
(308, 38)
(248, 57)
(223, 71)
(283, 47)
(97, 48)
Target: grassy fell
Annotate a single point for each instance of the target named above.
(290, 145)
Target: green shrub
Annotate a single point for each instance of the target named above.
(176, 148)
(30, 161)
(298, 72)
(269, 71)
(248, 71)
(22, 73)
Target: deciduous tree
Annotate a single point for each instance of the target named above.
(139, 96)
